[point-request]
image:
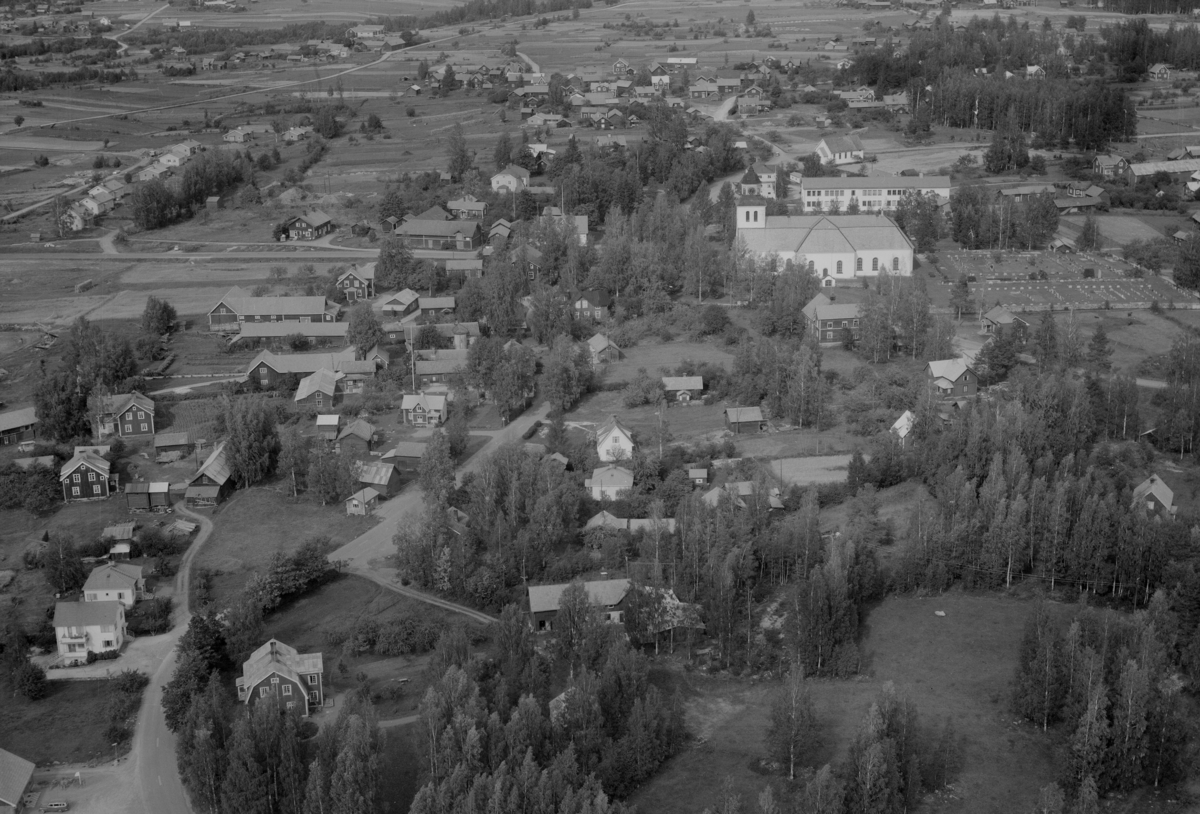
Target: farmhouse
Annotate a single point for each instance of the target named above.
(88, 627)
(837, 247)
(608, 520)
(421, 233)
(871, 193)
(841, 150)
(743, 420)
(18, 425)
(423, 409)
(467, 207)
(126, 414)
(831, 321)
(362, 502)
(1176, 169)
(602, 350)
(358, 283)
(614, 441)
(308, 226)
(1109, 165)
(1157, 496)
(511, 179)
(382, 476)
(683, 388)
(952, 378)
(320, 389)
(87, 476)
(144, 496)
(212, 482)
(608, 595)
(594, 304)
(399, 304)
(608, 482)
(238, 306)
(1160, 71)
(115, 582)
(276, 669)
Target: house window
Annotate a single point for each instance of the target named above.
(141, 415)
(858, 264)
(287, 690)
(895, 264)
(312, 679)
(108, 643)
(290, 704)
(874, 264)
(839, 267)
(75, 491)
(262, 692)
(129, 427)
(76, 477)
(143, 427)
(91, 476)
(91, 597)
(318, 400)
(313, 695)
(597, 313)
(274, 679)
(107, 629)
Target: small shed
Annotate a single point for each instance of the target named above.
(118, 532)
(683, 388)
(120, 551)
(743, 420)
(603, 350)
(328, 427)
(362, 502)
(355, 438)
(699, 477)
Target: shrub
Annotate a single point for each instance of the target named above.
(30, 681)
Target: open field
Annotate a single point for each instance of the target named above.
(691, 423)
(1085, 294)
(242, 544)
(957, 667)
(809, 471)
(38, 730)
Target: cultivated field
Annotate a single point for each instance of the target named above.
(810, 471)
(957, 667)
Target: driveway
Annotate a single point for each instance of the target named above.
(369, 555)
(142, 654)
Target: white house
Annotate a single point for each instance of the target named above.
(608, 482)
(835, 247)
(872, 193)
(841, 150)
(511, 179)
(115, 582)
(903, 426)
(614, 441)
(88, 627)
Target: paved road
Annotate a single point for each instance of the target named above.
(153, 752)
(368, 555)
(264, 256)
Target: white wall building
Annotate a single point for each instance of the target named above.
(880, 193)
(834, 247)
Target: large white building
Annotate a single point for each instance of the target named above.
(879, 193)
(835, 247)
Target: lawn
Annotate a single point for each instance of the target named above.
(67, 726)
(958, 666)
(255, 523)
(655, 357)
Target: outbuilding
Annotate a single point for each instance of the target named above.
(744, 420)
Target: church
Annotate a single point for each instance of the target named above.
(834, 247)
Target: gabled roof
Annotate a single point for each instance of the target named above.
(86, 614)
(904, 424)
(170, 439)
(359, 429)
(737, 415)
(114, 576)
(277, 657)
(404, 297)
(15, 774)
(949, 369)
(837, 310)
(792, 233)
(364, 495)
(426, 401)
(605, 593)
(364, 272)
(376, 472)
(810, 310)
(214, 466)
(1002, 316)
(84, 458)
(322, 381)
(595, 296)
(599, 342)
(119, 403)
(425, 303)
(305, 363)
(406, 449)
(1154, 486)
(842, 144)
(14, 419)
(314, 218)
(240, 302)
(611, 477)
(433, 213)
(609, 427)
(514, 171)
(683, 382)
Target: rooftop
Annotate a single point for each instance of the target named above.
(86, 614)
(605, 593)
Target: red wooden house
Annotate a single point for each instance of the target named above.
(126, 414)
(276, 670)
(212, 482)
(86, 476)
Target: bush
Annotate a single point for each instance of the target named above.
(406, 636)
(30, 681)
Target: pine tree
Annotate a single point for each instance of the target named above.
(458, 156)
(792, 721)
(243, 788)
(1099, 353)
(1089, 236)
(1045, 339)
(1087, 800)
(436, 474)
(502, 153)
(354, 783)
